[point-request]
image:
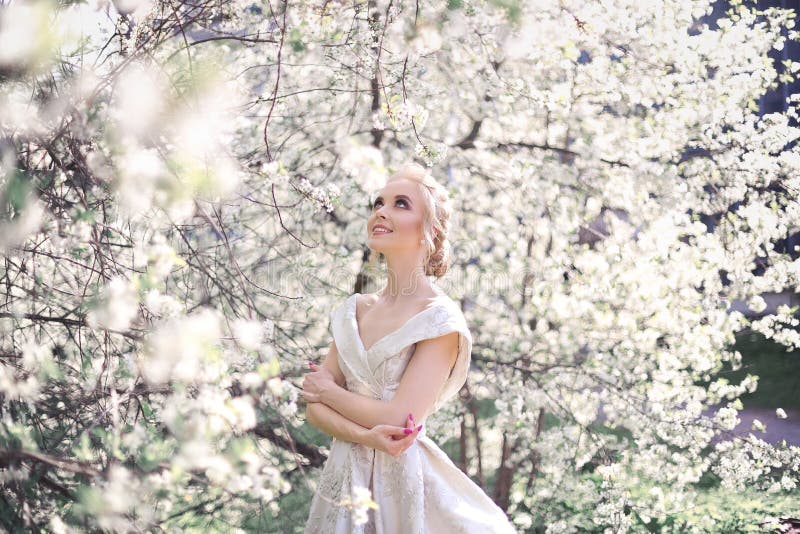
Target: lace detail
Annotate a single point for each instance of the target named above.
(422, 491)
(348, 465)
(334, 483)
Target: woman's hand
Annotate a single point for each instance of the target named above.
(393, 440)
(317, 382)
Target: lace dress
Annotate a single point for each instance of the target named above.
(421, 491)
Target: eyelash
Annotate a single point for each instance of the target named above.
(375, 204)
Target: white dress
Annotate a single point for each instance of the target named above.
(421, 491)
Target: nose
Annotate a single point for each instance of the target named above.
(377, 216)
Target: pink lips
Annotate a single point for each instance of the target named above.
(379, 226)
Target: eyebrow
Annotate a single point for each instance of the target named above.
(396, 196)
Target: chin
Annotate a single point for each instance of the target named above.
(376, 240)
(376, 249)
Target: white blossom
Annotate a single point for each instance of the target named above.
(118, 305)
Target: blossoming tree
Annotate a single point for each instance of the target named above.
(184, 194)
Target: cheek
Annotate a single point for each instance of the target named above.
(410, 224)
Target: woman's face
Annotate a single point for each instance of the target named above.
(399, 208)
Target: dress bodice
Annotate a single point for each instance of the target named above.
(377, 372)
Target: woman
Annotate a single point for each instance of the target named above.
(396, 357)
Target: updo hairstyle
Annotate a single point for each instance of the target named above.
(436, 217)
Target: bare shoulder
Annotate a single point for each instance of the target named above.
(442, 348)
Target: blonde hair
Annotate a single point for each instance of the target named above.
(436, 217)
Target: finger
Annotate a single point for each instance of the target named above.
(408, 437)
(400, 432)
(310, 397)
(410, 434)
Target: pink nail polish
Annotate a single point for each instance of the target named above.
(411, 416)
(419, 428)
(407, 430)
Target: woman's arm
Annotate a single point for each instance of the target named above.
(335, 424)
(422, 380)
(331, 363)
(390, 439)
(327, 419)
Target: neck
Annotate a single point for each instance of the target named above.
(405, 277)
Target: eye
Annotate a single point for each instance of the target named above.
(377, 202)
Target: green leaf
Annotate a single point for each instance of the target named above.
(296, 40)
(269, 369)
(86, 215)
(15, 195)
(83, 451)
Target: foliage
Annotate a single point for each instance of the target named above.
(184, 195)
(778, 372)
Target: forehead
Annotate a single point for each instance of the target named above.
(400, 186)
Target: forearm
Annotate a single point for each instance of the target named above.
(365, 411)
(335, 424)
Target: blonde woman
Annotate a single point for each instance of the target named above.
(396, 356)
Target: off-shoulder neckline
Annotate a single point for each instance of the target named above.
(353, 300)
